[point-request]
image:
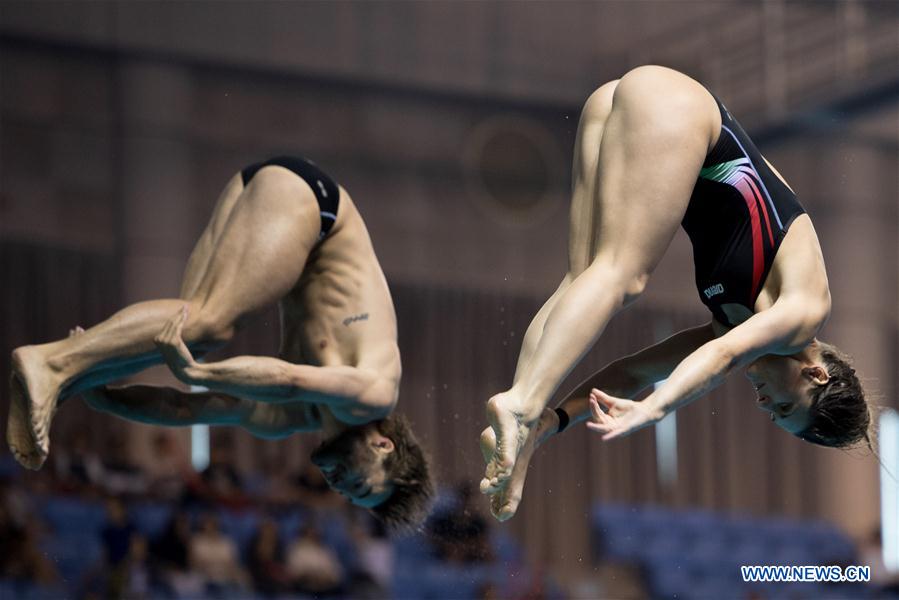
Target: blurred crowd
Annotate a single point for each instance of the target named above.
(304, 539)
(95, 525)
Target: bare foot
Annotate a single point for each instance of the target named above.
(18, 430)
(38, 392)
(504, 503)
(511, 428)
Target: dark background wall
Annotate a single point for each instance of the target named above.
(452, 126)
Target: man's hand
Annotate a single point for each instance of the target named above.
(173, 349)
(504, 502)
(623, 417)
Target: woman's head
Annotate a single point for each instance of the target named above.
(814, 395)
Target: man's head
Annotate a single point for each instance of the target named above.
(814, 395)
(382, 467)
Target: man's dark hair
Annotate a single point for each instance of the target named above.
(839, 415)
(408, 470)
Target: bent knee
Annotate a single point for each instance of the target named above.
(623, 285)
(633, 288)
(207, 327)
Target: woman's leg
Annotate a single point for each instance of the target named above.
(654, 141)
(256, 260)
(580, 238)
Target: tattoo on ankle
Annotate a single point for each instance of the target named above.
(350, 320)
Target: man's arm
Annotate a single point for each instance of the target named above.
(174, 408)
(267, 379)
(785, 328)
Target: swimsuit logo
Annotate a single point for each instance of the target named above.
(321, 186)
(714, 290)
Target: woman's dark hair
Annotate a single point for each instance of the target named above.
(408, 469)
(839, 415)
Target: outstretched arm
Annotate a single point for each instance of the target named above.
(625, 377)
(785, 328)
(267, 379)
(630, 375)
(174, 408)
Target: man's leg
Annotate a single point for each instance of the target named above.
(654, 141)
(256, 260)
(169, 407)
(193, 274)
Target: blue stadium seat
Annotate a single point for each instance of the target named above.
(68, 516)
(73, 555)
(151, 518)
(239, 526)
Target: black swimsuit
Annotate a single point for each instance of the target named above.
(326, 191)
(737, 218)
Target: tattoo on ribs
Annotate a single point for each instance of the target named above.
(350, 320)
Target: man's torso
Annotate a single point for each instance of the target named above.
(339, 312)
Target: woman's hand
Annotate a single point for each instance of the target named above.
(173, 349)
(621, 417)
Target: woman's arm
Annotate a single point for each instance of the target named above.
(626, 376)
(785, 328)
(630, 375)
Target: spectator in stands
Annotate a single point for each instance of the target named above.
(77, 466)
(169, 559)
(136, 570)
(313, 568)
(120, 475)
(116, 533)
(460, 533)
(266, 560)
(220, 482)
(215, 557)
(116, 537)
(271, 483)
(375, 559)
(169, 468)
(20, 557)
